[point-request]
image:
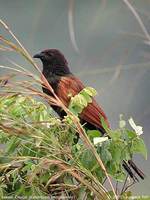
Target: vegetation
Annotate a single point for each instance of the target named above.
(41, 155)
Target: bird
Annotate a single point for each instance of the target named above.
(57, 72)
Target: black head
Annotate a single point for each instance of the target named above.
(54, 61)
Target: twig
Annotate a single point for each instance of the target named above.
(112, 69)
(124, 184)
(71, 25)
(104, 181)
(136, 15)
(127, 187)
(116, 190)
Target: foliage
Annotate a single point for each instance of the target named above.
(39, 157)
(81, 100)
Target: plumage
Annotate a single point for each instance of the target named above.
(63, 82)
(92, 113)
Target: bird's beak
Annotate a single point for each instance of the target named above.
(38, 55)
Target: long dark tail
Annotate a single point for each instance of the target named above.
(133, 170)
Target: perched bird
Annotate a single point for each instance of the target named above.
(63, 82)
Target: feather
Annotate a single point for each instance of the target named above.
(70, 86)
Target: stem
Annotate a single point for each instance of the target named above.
(136, 15)
(71, 25)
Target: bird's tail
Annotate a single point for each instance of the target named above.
(133, 170)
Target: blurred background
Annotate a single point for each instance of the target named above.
(107, 45)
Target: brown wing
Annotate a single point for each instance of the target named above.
(72, 85)
(68, 85)
(92, 114)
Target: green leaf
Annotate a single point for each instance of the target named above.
(131, 134)
(87, 159)
(105, 154)
(12, 145)
(86, 96)
(116, 152)
(21, 190)
(120, 176)
(104, 125)
(138, 146)
(126, 153)
(75, 109)
(115, 135)
(79, 100)
(93, 133)
(90, 91)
